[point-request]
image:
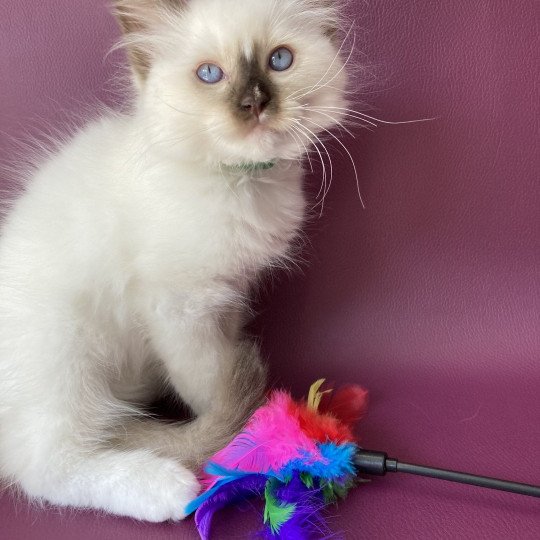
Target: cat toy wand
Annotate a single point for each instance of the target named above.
(300, 456)
(378, 464)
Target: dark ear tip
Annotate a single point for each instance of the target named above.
(140, 16)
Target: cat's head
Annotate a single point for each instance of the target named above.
(235, 81)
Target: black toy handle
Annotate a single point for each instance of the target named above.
(378, 464)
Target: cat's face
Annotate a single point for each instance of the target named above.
(239, 81)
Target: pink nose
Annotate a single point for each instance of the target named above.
(255, 104)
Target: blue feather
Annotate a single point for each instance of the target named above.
(337, 462)
(216, 470)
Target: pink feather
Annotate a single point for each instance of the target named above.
(271, 438)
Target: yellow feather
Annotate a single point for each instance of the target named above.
(315, 396)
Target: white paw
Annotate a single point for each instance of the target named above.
(158, 491)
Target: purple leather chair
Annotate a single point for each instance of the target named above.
(430, 297)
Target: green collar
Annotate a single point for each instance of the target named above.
(249, 167)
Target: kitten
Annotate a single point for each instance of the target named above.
(126, 264)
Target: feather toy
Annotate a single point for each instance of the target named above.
(297, 456)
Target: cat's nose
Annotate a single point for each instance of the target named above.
(256, 101)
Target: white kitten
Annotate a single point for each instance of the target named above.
(125, 265)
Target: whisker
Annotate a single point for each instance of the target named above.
(327, 188)
(322, 189)
(296, 137)
(364, 115)
(343, 111)
(329, 160)
(313, 143)
(331, 64)
(316, 110)
(319, 86)
(300, 129)
(350, 157)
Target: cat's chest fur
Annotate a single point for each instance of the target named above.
(223, 227)
(121, 218)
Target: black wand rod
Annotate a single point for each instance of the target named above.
(378, 464)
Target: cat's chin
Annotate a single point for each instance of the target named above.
(264, 143)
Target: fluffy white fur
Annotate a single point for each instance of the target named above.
(125, 264)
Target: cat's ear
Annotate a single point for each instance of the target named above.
(331, 21)
(137, 19)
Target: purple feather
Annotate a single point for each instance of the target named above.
(231, 493)
(307, 521)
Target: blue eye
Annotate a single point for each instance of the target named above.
(210, 73)
(281, 59)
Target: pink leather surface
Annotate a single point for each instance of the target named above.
(429, 297)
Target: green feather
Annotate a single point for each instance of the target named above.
(307, 480)
(276, 514)
(332, 491)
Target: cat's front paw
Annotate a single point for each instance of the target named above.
(161, 492)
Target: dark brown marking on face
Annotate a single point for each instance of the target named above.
(253, 91)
